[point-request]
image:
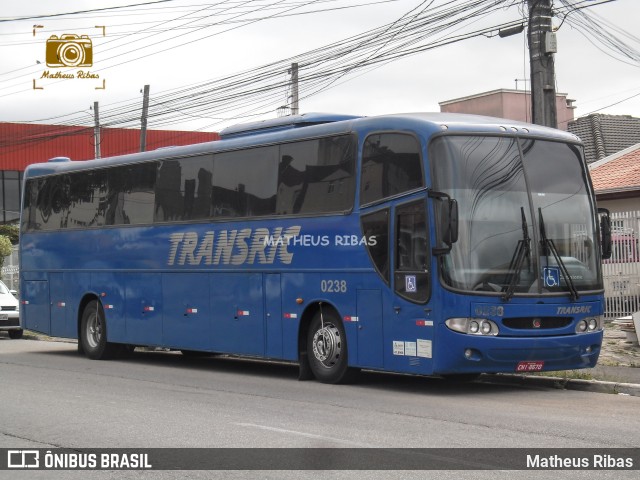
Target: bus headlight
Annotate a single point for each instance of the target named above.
(473, 326)
(589, 324)
(486, 328)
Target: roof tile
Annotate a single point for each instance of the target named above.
(622, 173)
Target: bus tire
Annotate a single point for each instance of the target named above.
(461, 377)
(195, 354)
(16, 334)
(93, 333)
(327, 350)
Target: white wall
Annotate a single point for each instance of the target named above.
(620, 205)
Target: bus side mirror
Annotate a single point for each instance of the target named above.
(448, 224)
(605, 232)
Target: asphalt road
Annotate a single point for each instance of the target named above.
(52, 397)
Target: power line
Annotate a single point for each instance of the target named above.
(255, 88)
(257, 91)
(51, 15)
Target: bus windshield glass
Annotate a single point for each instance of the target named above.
(526, 221)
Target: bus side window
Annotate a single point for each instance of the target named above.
(316, 176)
(132, 194)
(245, 182)
(391, 166)
(412, 259)
(375, 228)
(184, 189)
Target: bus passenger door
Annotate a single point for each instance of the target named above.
(413, 328)
(273, 314)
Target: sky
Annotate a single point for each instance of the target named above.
(233, 36)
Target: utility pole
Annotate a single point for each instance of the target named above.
(295, 109)
(542, 46)
(143, 120)
(96, 130)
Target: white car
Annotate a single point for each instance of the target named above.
(9, 312)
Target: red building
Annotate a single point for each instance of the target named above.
(24, 144)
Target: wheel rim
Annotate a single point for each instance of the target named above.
(327, 345)
(94, 330)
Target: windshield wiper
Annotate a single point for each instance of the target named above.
(549, 246)
(523, 250)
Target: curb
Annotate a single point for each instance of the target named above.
(598, 386)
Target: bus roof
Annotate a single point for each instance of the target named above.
(282, 123)
(298, 127)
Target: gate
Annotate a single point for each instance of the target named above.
(10, 273)
(622, 271)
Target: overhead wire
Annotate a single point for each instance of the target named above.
(601, 33)
(256, 91)
(223, 93)
(289, 3)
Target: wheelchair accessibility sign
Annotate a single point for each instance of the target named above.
(410, 285)
(551, 276)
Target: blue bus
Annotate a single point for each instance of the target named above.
(430, 244)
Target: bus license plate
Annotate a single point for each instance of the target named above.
(4, 316)
(530, 366)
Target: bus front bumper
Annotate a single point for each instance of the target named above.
(464, 353)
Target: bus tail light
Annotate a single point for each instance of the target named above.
(473, 326)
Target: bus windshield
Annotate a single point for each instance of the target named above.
(526, 221)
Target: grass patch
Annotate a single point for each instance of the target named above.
(567, 374)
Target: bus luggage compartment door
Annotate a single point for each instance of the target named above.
(237, 307)
(370, 338)
(58, 305)
(143, 309)
(36, 309)
(273, 303)
(186, 321)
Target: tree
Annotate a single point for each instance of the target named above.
(5, 249)
(10, 231)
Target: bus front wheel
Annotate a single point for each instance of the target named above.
(93, 333)
(327, 350)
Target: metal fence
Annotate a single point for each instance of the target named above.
(10, 270)
(622, 271)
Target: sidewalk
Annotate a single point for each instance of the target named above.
(617, 371)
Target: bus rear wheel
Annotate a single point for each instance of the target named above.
(327, 350)
(15, 334)
(93, 333)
